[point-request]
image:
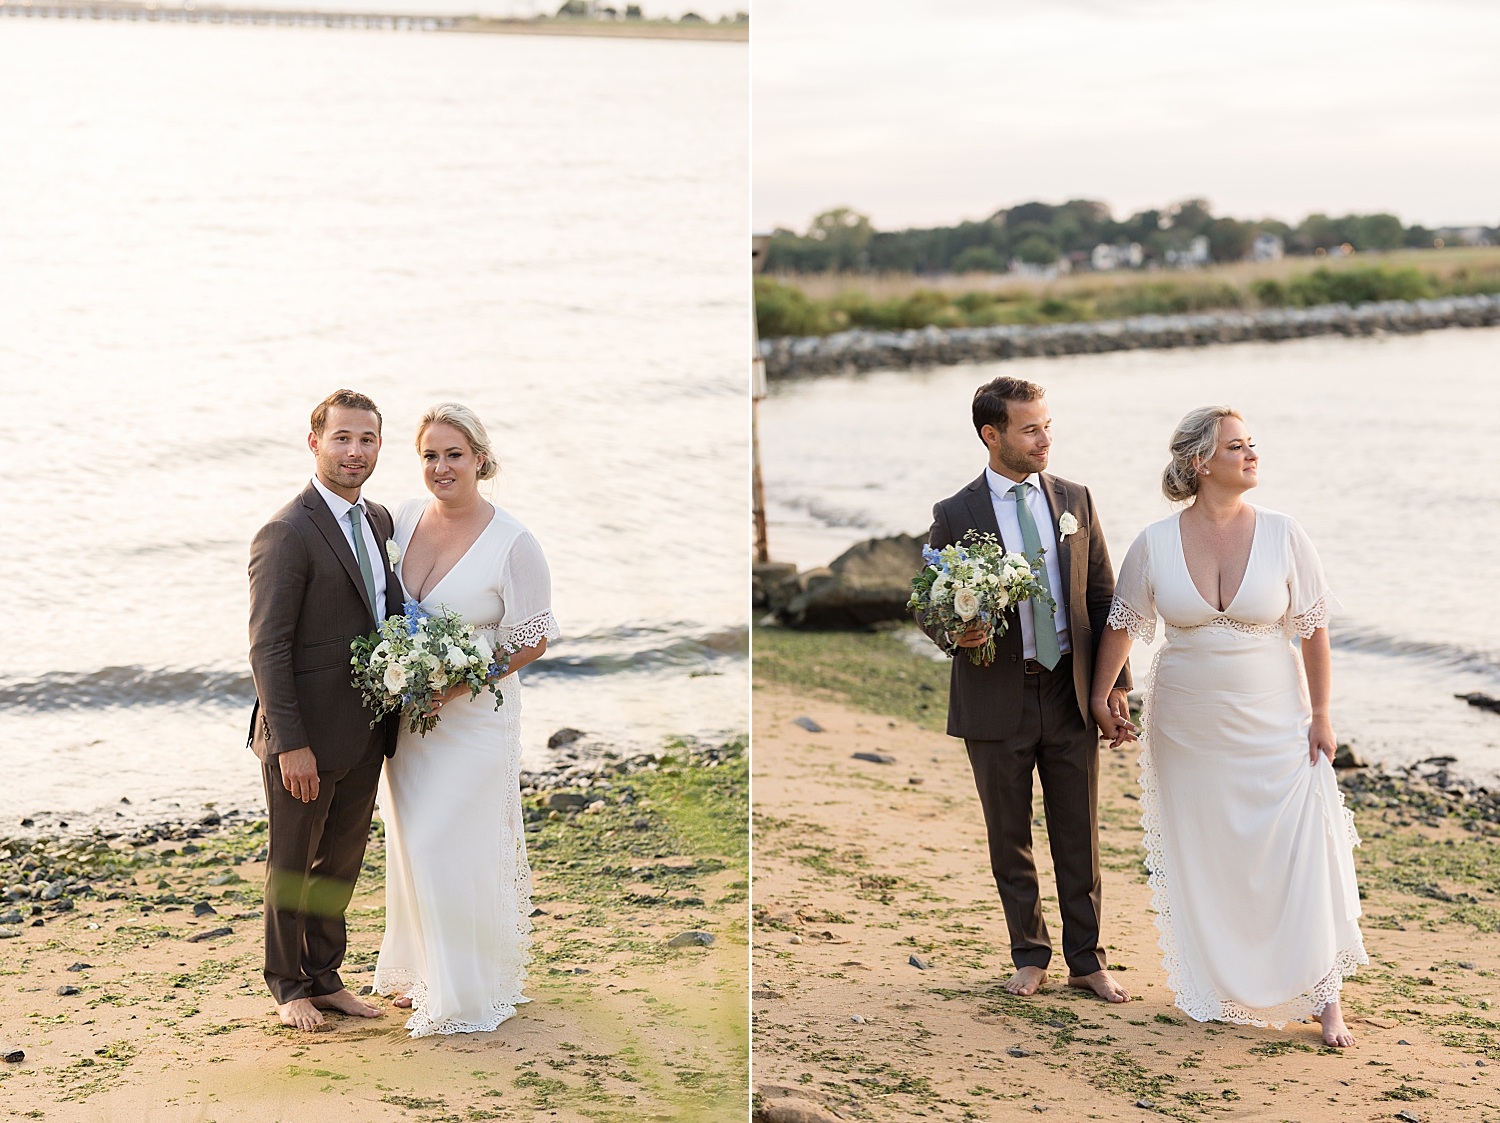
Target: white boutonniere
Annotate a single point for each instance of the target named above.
(393, 551)
(1067, 524)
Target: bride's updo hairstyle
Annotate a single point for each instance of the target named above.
(467, 422)
(1193, 444)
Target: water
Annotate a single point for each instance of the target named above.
(204, 230)
(1384, 449)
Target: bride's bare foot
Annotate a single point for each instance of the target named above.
(346, 1003)
(1101, 984)
(1335, 1032)
(1026, 981)
(402, 1001)
(299, 1013)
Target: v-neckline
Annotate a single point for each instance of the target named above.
(1249, 557)
(494, 513)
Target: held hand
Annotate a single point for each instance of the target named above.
(299, 773)
(1119, 705)
(1320, 739)
(976, 635)
(1111, 724)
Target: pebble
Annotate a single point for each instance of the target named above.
(1408, 1117)
(1403, 1041)
(79, 966)
(203, 908)
(691, 939)
(1017, 1051)
(914, 779)
(1466, 965)
(808, 724)
(65, 991)
(211, 934)
(876, 758)
(1145, 1103)
(366, 989)
(857, 1019)
(12, 1054)
(795, 940)
(8, 933)
(918, 962)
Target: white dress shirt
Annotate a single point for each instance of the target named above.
(1004, 502)
(373, 546)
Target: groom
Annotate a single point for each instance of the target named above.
(1030, 707)
(319, 577)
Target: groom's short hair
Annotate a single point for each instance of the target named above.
(991, 398)
(343, 399)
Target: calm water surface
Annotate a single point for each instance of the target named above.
(1384, 449)
(205, 230)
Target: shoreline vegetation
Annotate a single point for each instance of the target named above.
(131, 979)
(879, 945)
(689, 27)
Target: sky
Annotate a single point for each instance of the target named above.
(927, 113)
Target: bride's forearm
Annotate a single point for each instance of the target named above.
(526, 655)
(1318, 660)
(1114, 649)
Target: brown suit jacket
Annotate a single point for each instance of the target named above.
(984, 703)
(307, 604)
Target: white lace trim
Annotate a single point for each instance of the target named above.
(1306, 623)
(1210, 1007)
(529, 633)
(1243, 627)
(518, 954)
(1125, 619)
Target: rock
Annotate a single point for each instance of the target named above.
(867, 583)
(857, 1019)
(789, 1109)
(8, 933)
(764, 993)
(203, 908)
(62, 904)
(808, 724)
(795, 940)
(1483, 701)
(563, 738)
(212, 819)
(1408, 1116)
(639, 824)
(38, 923)
(918, 962)
(80, 966)
(1144, 1103)
(28, 822)
(914, 780)
(772, 585)
(566, 801)
(595, 807)
(691, 939)
(211, 934)
(876, 758)
(366, 989)
(67, 991)
(53, 890)
(1403, 1041)
(1346, 757)
(10, 917)
(538, 912)
(12, 1054)
(1017, 1051)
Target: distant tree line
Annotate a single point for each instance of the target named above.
(843, 240)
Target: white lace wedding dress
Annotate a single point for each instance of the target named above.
(1249, 847)
(458, 888)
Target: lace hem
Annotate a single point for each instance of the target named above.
(1210, 1007)
(1260, 631)
(1125, 619)
(529, 633)
(421, 1023)
(1304, 624)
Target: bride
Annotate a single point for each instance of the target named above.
(1247, 840)
(458, 888)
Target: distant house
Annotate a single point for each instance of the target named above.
(1267, 247)
(1040, 272)
(1191, 258)
(1465, 236)
(1105, 258)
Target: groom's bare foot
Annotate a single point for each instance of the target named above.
(1026, 981)
(1335, 1032)
(299, 1013)
(1101, 984)
(346, 1003)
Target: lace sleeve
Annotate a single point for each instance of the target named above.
(1310, 603)
(1126, 619)
(526, 586)
(1304, 624)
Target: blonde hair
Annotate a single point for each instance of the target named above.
(1193, 443)
(467, 422)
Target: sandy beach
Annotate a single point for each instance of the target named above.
(136, 1003)
(864, 869)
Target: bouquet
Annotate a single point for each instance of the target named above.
(974, 582)
(412, 659)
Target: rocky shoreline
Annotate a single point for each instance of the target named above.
(863, 350)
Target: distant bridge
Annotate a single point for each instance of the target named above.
(188, 12)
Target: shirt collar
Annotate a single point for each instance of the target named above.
(337, 503)
(1000, 485)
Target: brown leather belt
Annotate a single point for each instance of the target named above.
(1033, 667)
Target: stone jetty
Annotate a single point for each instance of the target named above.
(861, 350)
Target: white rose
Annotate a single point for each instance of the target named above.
(393, 551)
(438, 680)
(1067, 524)
(966, 604)
(395, 678)
(456, 658)
(486, 652)
(1001, 599)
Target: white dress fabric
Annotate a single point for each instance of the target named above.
(1249, 847)
(458, 887)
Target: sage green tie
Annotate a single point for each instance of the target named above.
(1044, 624)
(364, 559)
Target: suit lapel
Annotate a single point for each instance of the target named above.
(982, 508)
(333, 534)
(1057, 502)
(385, 530)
